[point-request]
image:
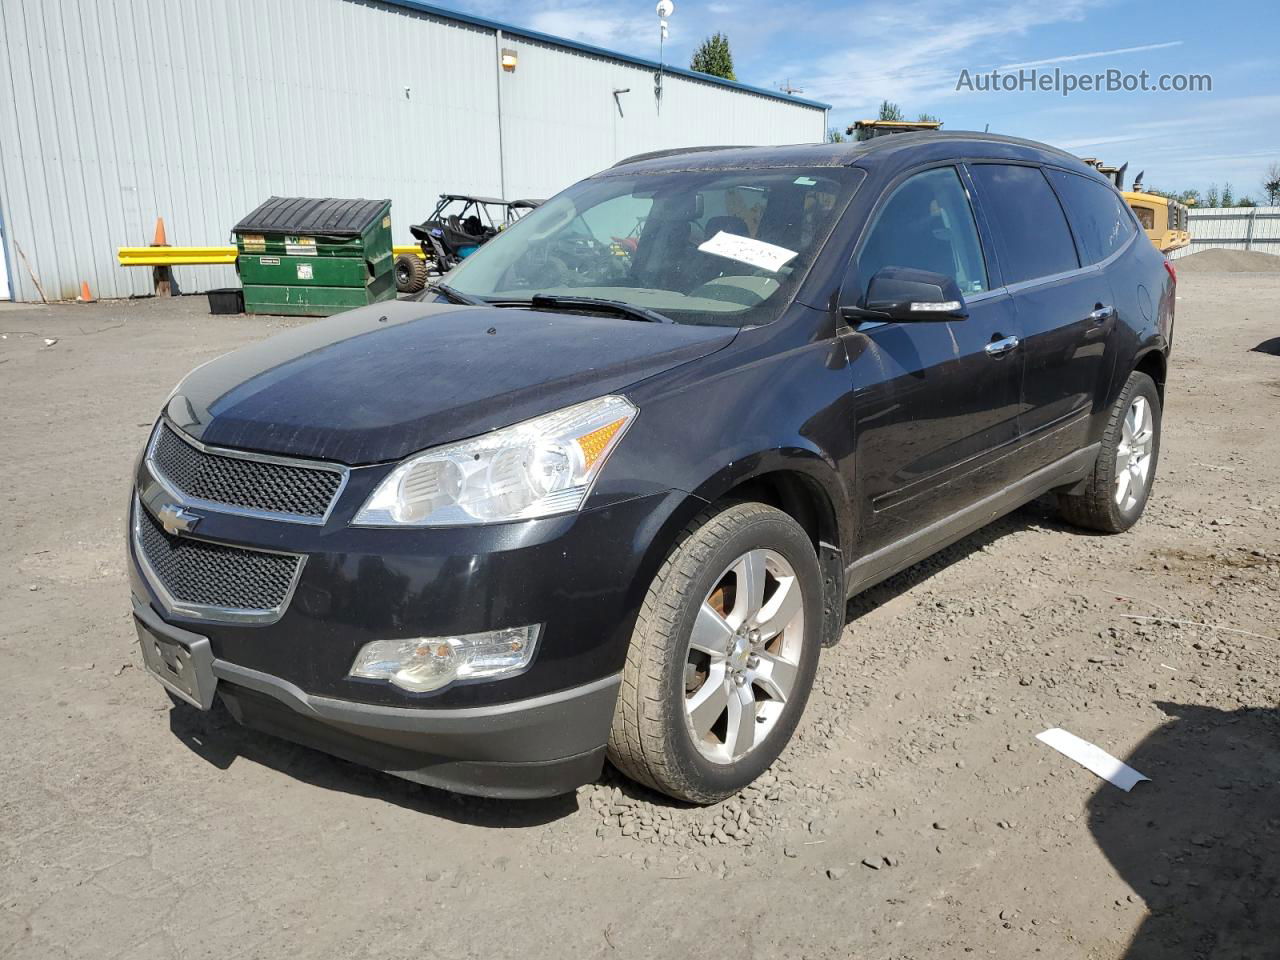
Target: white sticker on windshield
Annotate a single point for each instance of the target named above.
(755, 253)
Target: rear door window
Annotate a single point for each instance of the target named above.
(1101, 222)
(1032, 236)
(927, 224)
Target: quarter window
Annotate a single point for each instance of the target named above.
(1032, 236)
(1102, 223)
(927, 224)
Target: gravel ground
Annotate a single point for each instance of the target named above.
(915, 815)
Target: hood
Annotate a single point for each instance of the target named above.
(387, 380)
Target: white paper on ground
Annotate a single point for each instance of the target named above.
(1092, 758)
(748, 250)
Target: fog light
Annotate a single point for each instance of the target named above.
(429, 663)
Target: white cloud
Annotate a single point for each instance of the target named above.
(1071, 58)
(589, 24)
(1197, 142)
(1097, 141)
(889, 55)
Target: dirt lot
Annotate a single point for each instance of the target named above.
(915, 817)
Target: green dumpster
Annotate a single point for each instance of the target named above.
(310, 257)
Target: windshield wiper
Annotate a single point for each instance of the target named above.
(457, 296)
(551, 301)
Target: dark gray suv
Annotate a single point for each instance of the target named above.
(605, 490)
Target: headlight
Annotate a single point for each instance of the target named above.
(429, 663)
(537, 468)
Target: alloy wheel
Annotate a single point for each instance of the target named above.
(744, 655)
(1133, 455)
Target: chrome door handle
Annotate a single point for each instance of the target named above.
(998, 348)
(1102, 314)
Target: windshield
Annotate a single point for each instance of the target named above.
(720, 247)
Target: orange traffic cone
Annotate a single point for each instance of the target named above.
(160, 240)
(85, 295)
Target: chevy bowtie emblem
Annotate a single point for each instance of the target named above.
(176, 520)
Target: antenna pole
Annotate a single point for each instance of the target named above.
(664, 9)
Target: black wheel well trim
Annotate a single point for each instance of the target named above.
(796, 485)
(1154, 362)
(798, 481)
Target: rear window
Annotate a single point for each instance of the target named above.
(1102, 223)
(1032, 237)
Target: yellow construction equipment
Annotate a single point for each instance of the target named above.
(1163, 219)
(868, 129)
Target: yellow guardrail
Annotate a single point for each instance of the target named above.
(174, 256)
(190, 256)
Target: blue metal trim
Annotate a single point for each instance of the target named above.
(512, 30)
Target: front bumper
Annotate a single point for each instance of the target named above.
(582, 576)
(538, 747)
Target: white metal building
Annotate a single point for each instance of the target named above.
(114, 112)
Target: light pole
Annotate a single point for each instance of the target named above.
(664, 9)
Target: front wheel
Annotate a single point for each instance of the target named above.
(723, 655)
(1116, 493)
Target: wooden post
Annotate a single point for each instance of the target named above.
(161, 276)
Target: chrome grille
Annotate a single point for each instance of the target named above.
(249, 483)
(211, 579)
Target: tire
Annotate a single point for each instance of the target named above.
(669, 672)
(411, 273)
(1108, 503)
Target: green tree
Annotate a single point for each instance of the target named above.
(1228, 197)
(928, 118)
(1211, 196)
(834, 135)
(1246, 202)
(714, 57)
(888, 111)
(1271, 184)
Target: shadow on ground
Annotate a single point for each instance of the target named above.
(1201, 842)
(216, 738)
(1041, 513)
(1271, 346)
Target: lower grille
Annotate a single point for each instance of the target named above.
(211, 579)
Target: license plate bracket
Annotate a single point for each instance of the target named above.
(183, 665)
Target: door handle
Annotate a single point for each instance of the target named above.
(998, 348)
(1102, 314)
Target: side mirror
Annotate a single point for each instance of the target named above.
(908, 295)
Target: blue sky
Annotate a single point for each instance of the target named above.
(855, 54)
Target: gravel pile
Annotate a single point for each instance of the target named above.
(1228, 261)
